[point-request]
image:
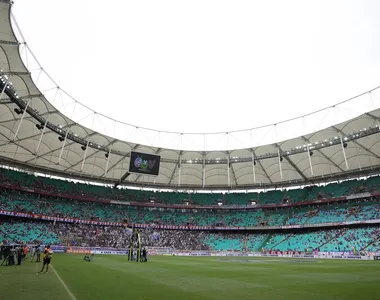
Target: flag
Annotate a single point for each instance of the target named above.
(129, 229)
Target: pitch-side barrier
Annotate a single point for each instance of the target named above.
(158, 251)
(242, 254)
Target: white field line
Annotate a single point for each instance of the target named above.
(64, 284)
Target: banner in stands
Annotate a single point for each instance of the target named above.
(58, 219)
(174, 227)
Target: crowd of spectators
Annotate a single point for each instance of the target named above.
(76, 189)
(334, 240)
(36, 232)
(110, 236)
(85, 210)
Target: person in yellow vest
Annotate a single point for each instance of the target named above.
(48, 254)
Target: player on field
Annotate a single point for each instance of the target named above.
(32, 253)
(38, 253)
(24, 252)
(48, 253)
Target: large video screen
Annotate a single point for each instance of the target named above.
(143, 163)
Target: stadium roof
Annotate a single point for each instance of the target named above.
(37, 136)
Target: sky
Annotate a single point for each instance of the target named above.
(206, 66)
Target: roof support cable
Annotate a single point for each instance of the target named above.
(22, 118)
(228, 171)
(63, 146)
(41, 136)
(309, 155)
(253, 168)
(40, 140)
(108, 160)
(204, 171)
(3, 90)
(357, 157)
(179, 170)
(279, 161)
(84, 157)
(344, 145)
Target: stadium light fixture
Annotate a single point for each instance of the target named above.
(18, 111)
(40, 126)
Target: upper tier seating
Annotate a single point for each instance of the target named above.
(34, 204)
(270, 197)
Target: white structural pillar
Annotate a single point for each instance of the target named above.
(63, 146)
(357, 157)
(228, 171)
(279, 162)
(179, 170)
(3, 90)
(108, 161)
(344, 152)
(311, 165)
(41, 136)
(84, 156)
(22, 118)
(204, 172)
(253, 169)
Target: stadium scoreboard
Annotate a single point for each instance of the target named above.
(143, 163)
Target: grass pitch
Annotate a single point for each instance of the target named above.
(215, 278)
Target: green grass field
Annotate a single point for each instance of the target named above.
(181, 278)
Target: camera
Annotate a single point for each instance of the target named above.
(5, 252)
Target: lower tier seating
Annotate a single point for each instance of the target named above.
(15, 230)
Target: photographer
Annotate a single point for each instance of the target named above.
(5, 250)
(19, 251)
(144, 255)
(11, 256)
